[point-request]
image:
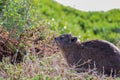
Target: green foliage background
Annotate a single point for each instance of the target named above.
(22, 14)
(87, 25)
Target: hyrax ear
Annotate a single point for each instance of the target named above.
(74, 39)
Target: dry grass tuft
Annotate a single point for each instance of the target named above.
(47, 68)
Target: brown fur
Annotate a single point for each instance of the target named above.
(101, 53)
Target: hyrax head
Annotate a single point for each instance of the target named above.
(65, 40)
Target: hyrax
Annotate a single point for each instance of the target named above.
(99, 54)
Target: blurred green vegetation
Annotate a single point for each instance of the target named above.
(86, 25)
(22, 14)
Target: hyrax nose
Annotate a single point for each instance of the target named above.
(55, 38)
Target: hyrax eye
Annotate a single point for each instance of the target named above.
(62, 37)
(74, 39)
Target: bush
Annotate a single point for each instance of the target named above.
(18, 15)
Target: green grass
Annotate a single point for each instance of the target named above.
(87, 25)
(22, 14)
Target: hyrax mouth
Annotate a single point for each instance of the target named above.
(56, 40)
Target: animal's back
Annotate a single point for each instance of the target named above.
(101, 45)
(104, 53)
